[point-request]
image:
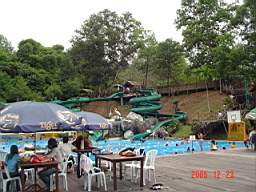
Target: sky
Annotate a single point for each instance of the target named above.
(53, 22)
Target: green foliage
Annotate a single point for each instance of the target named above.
(159, 63)
(173, 128)
(218, 39)
(53, 91)
(211, 130)
(184, 131)
(72, 87)
(204, 27)
(248, 125)
(104, 45)
(5, 45)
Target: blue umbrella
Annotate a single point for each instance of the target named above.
(31, 117)
(95, 121)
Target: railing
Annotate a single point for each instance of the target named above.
(175, 89)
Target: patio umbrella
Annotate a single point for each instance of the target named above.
(32, 117)
(251, 115)
(95, 121)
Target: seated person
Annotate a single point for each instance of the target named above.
(65, 148)
(233, 145)
(81, 143)
(12, 161)
(56, 154)
(213, 146)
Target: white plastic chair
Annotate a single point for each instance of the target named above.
(91, 172)
(149, 166)
(132, 165)
(62, 174)
(7, 178)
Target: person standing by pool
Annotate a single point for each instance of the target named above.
(233, 145)
(213, 146)
(252, 137)
(200, 137)
(56, 154)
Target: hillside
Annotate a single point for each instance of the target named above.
(194, 104)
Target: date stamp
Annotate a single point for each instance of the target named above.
(216, 174)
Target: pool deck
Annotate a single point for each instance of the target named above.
(176, 173)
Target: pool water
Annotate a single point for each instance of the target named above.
(164, 147)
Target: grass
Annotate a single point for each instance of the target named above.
(183, 131)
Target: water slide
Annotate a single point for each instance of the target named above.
(179, 116)
(152, 130)
(147, 106)
(97, 135)
(72, 102)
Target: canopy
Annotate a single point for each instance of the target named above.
(251, 115)
(95, 121)
(31, 117)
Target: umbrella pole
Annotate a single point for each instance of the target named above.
(35, 143)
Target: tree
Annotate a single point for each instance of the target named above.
(105, 44)
(206, 73)
(53, 91)
(28, 51)
(71, 87)
(170, 61)
(5, 44)
(146, 59)
(205, 25)
(244, 22)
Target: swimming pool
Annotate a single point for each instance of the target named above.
(164, 147)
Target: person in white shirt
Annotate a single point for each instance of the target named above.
(65, 146)
(66, 149)
(56, 154)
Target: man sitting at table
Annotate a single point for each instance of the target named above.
(56, 154)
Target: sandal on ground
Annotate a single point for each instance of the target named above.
(158, 186)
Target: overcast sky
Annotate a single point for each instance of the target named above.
(54, 21)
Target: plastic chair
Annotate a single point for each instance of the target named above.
(7, 178)
(62, 174)
(132, 165)
(91, 172)
(31, 174)
(149, 166)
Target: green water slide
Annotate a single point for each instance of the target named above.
(97, 135)
(147, 106)
(72, 102)
(153, 129)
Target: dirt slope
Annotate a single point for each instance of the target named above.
(194, 104)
